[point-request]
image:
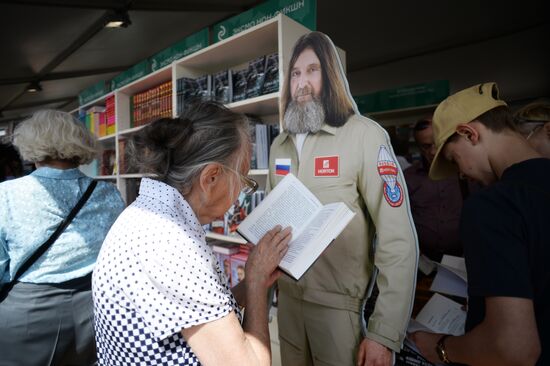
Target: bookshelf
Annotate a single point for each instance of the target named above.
(277, 34)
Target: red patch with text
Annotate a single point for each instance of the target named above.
(327, 166)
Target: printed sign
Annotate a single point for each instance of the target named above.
(326, 166)
(94, 92)
(185, 47)
(302, 11)
(135, 72)
(404, 97)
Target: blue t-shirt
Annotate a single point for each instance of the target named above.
(32, 207)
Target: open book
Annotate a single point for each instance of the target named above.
(314, 225)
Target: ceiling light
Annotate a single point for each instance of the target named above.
(119, 19)
(34, 87)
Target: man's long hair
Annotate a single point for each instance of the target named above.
(334, 96)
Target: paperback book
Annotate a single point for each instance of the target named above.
(314, 225)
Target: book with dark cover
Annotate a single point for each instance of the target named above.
(271, 79)
(222, 88)
(204, 85)
(255, 77)
(239, 84)
(187, 90)
(410, 357)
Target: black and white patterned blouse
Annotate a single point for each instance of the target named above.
(154, 276)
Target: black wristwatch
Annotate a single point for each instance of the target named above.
(441, 352)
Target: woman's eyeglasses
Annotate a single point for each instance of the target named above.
(249, 185)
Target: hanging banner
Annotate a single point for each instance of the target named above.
(302, 11)
(185, 47)
(404, 97)
(135, 72)
(94, 92)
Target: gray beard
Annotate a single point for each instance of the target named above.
(307, 117)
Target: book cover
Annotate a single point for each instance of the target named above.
(222, 91)
(236, 214)
(271, 79)
(238, 262)
(204, 85)
(239, 84)
(218, 225)
(262, 146)
(255, 77)
(225, 265)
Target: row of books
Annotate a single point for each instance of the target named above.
(100, 120)
(151, 104)
(262, 137)
(232, 260)
(261, 76)
(228, 223)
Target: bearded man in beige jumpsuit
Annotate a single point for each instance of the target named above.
(342, 156)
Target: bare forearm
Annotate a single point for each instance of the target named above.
(255, 322)
(482, 347)
(239, 293)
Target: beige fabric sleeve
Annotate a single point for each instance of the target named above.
(397, 252)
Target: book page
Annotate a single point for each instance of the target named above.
(457, 265)
(448, 282)
(299, 244)
(451, 277)
(442, 315)
(321, 231)
(290, 203)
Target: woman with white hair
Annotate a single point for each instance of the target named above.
(45, 267)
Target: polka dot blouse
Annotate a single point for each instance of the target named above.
(155, 275)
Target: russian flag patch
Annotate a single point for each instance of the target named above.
(282, 166)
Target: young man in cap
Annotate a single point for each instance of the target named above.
(504, 230)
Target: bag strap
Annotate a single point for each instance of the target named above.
(47, 244)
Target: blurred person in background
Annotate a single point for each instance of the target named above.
(533, 121)
(46, 311)
(435, 205)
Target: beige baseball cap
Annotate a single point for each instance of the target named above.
(461, 107)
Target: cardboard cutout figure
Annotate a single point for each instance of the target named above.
(342, 156)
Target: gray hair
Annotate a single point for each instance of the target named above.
(51, 134)
(175, 150)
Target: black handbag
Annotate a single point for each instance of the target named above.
(47, 244)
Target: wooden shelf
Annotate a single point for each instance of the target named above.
(130, 130)
(240, 48)
(107, 138)
(261, 105)
(258, 172)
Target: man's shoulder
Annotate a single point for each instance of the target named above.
(278, 140)
(361, 126)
